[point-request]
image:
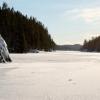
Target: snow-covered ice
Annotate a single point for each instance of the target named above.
(60, 75)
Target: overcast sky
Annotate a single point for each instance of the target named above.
(68, 21)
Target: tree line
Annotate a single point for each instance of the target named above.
(23, 33)
(92, 44)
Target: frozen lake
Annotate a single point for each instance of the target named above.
(60, 75)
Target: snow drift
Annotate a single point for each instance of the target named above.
(4, 54)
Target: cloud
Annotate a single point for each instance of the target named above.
(88, 36)
(90, 15)
(87, 14)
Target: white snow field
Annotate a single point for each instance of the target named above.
(60, 75)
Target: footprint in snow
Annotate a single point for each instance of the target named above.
(71, 80)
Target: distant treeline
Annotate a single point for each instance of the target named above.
(92, 45)
(23, 33)
(74, 47)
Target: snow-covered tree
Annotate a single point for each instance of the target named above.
(4, 54)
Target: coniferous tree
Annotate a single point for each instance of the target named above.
(23, 33)
(92, 45)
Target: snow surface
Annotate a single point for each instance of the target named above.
(60, 75)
